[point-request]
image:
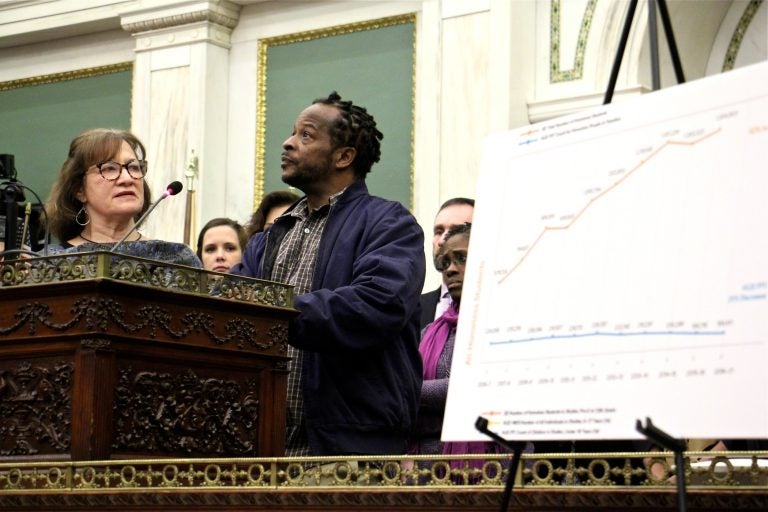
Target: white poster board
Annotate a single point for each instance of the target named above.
(618, 270)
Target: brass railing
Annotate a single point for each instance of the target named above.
(743, 470)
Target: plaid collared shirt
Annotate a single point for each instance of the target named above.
(295, 264)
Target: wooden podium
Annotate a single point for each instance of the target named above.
(109, 357)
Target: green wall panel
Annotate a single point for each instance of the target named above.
(374, 69)
(39, 121)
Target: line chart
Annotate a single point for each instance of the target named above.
(621, 253)
(610, 198)
(577, 216)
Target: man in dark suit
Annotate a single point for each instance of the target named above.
(453, 212)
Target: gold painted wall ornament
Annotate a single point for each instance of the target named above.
(555, 44)
(738, 35)
(67, 75)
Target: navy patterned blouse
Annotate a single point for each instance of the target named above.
(167, 252)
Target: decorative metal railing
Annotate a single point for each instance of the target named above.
(720, 470)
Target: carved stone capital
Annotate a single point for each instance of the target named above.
(178, 20)
(182, 23)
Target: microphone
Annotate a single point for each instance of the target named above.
(171, 190)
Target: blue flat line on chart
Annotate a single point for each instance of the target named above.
(609, 334)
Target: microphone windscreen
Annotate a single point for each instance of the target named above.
(174, 188)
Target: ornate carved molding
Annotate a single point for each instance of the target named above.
(278, 334)
(178, 20)
(100, 314)
(403, 499)
(35, 408)
(185, 413)
(155, 274)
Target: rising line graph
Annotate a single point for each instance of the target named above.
(603, 193)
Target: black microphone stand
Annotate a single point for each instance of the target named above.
(172, 189)
(481, 424)
(138, 223)
(661, 438)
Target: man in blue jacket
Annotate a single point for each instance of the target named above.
(357, 264)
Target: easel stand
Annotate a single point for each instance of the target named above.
(654, 434)
(481, 424)
(654, 42)
(661, 438)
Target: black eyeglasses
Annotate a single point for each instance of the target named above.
(110, 170)
(443, 262)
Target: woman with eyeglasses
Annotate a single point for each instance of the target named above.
(99, 195)
(436, 350)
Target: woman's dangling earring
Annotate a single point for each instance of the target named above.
(87, 217)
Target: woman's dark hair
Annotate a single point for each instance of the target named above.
(269, 201)
(458, 229)
(221, 221)
(89, 148)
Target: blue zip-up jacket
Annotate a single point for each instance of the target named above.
(359, 324)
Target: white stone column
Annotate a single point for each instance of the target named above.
(179, 104)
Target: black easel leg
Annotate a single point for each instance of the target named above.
(653, 36)
(620, 52)
(661, 438)
(513, 465)
(680, 473)
(481, 424)
(667, 24)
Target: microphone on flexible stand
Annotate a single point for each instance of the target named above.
(171, 190)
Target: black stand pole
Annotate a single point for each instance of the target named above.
(653, 36)
(677, 446)
(10, 195)
(667, 24)
(652, 27)
(481, 424)
(620, 51)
